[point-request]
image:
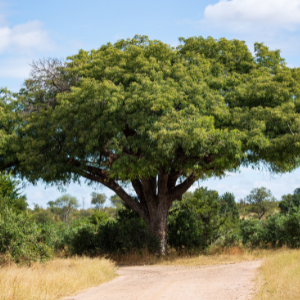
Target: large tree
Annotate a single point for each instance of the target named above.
(143, 113)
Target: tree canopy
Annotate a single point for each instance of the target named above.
(261, 199)
(160, 118)
(98, 199)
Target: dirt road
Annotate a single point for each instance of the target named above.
(219, 282)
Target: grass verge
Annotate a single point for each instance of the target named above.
(54, 279)
(280, 276)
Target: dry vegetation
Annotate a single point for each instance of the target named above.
(280, 276)
(213, 257)
(278, 279)
(54, 279)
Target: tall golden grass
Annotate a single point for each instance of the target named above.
(280, 276)
(54, 279)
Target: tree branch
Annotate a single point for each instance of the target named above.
(141, 209)
(6, 166)
(172, 179)
(180, 189)
(138, 187)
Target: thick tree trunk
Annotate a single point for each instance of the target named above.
(158, 221)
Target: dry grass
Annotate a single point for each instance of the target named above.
(54, 279)
(214, 257)
(280, 276)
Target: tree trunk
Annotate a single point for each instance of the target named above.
(158, 222)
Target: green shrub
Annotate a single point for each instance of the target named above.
(20, 238)
(10, 195)
(184, 231)
(252, 232)
(84, 240)
(98, 217)
(274, 230)
(196, 220)
(127, 233)
(277, 230)
(292, 229)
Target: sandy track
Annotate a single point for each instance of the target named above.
(219, 282)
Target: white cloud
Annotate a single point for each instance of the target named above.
(28, 36)
(256, 12)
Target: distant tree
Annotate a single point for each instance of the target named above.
(43, 216)
(67, 203)
(98, 200)
(116, 201)
(290, 202)
(262, 200)
(229, 206)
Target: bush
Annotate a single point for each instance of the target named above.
(183, 229)
(10, 195)
(274, 230)
(20, 238)
(127, 233)
(252, 232)
(196, 221)
(98, 217)
(277, 230)
(292, 229)
(84, 240)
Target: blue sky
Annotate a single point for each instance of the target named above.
(33, 29)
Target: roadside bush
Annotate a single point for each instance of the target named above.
(292, 229)
(196, 221)
(274, 230)
(20, 238)
(84, 240)
(127, 233)
(252, 232)
(277, 230)
(183, 229)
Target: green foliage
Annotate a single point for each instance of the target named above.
(98, 217)
(10, 195)
(42, 216)
(20, 238)
(235, 109)
(183, 229)
(66, 203)
(127, 233)
(261, 199)
(116, 201)
(252, 232)
(196, 220)
(98, 200)
(290, 202)
(229, 207)
(277, 230)
(84, 240)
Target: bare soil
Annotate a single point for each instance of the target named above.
(218, 282)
